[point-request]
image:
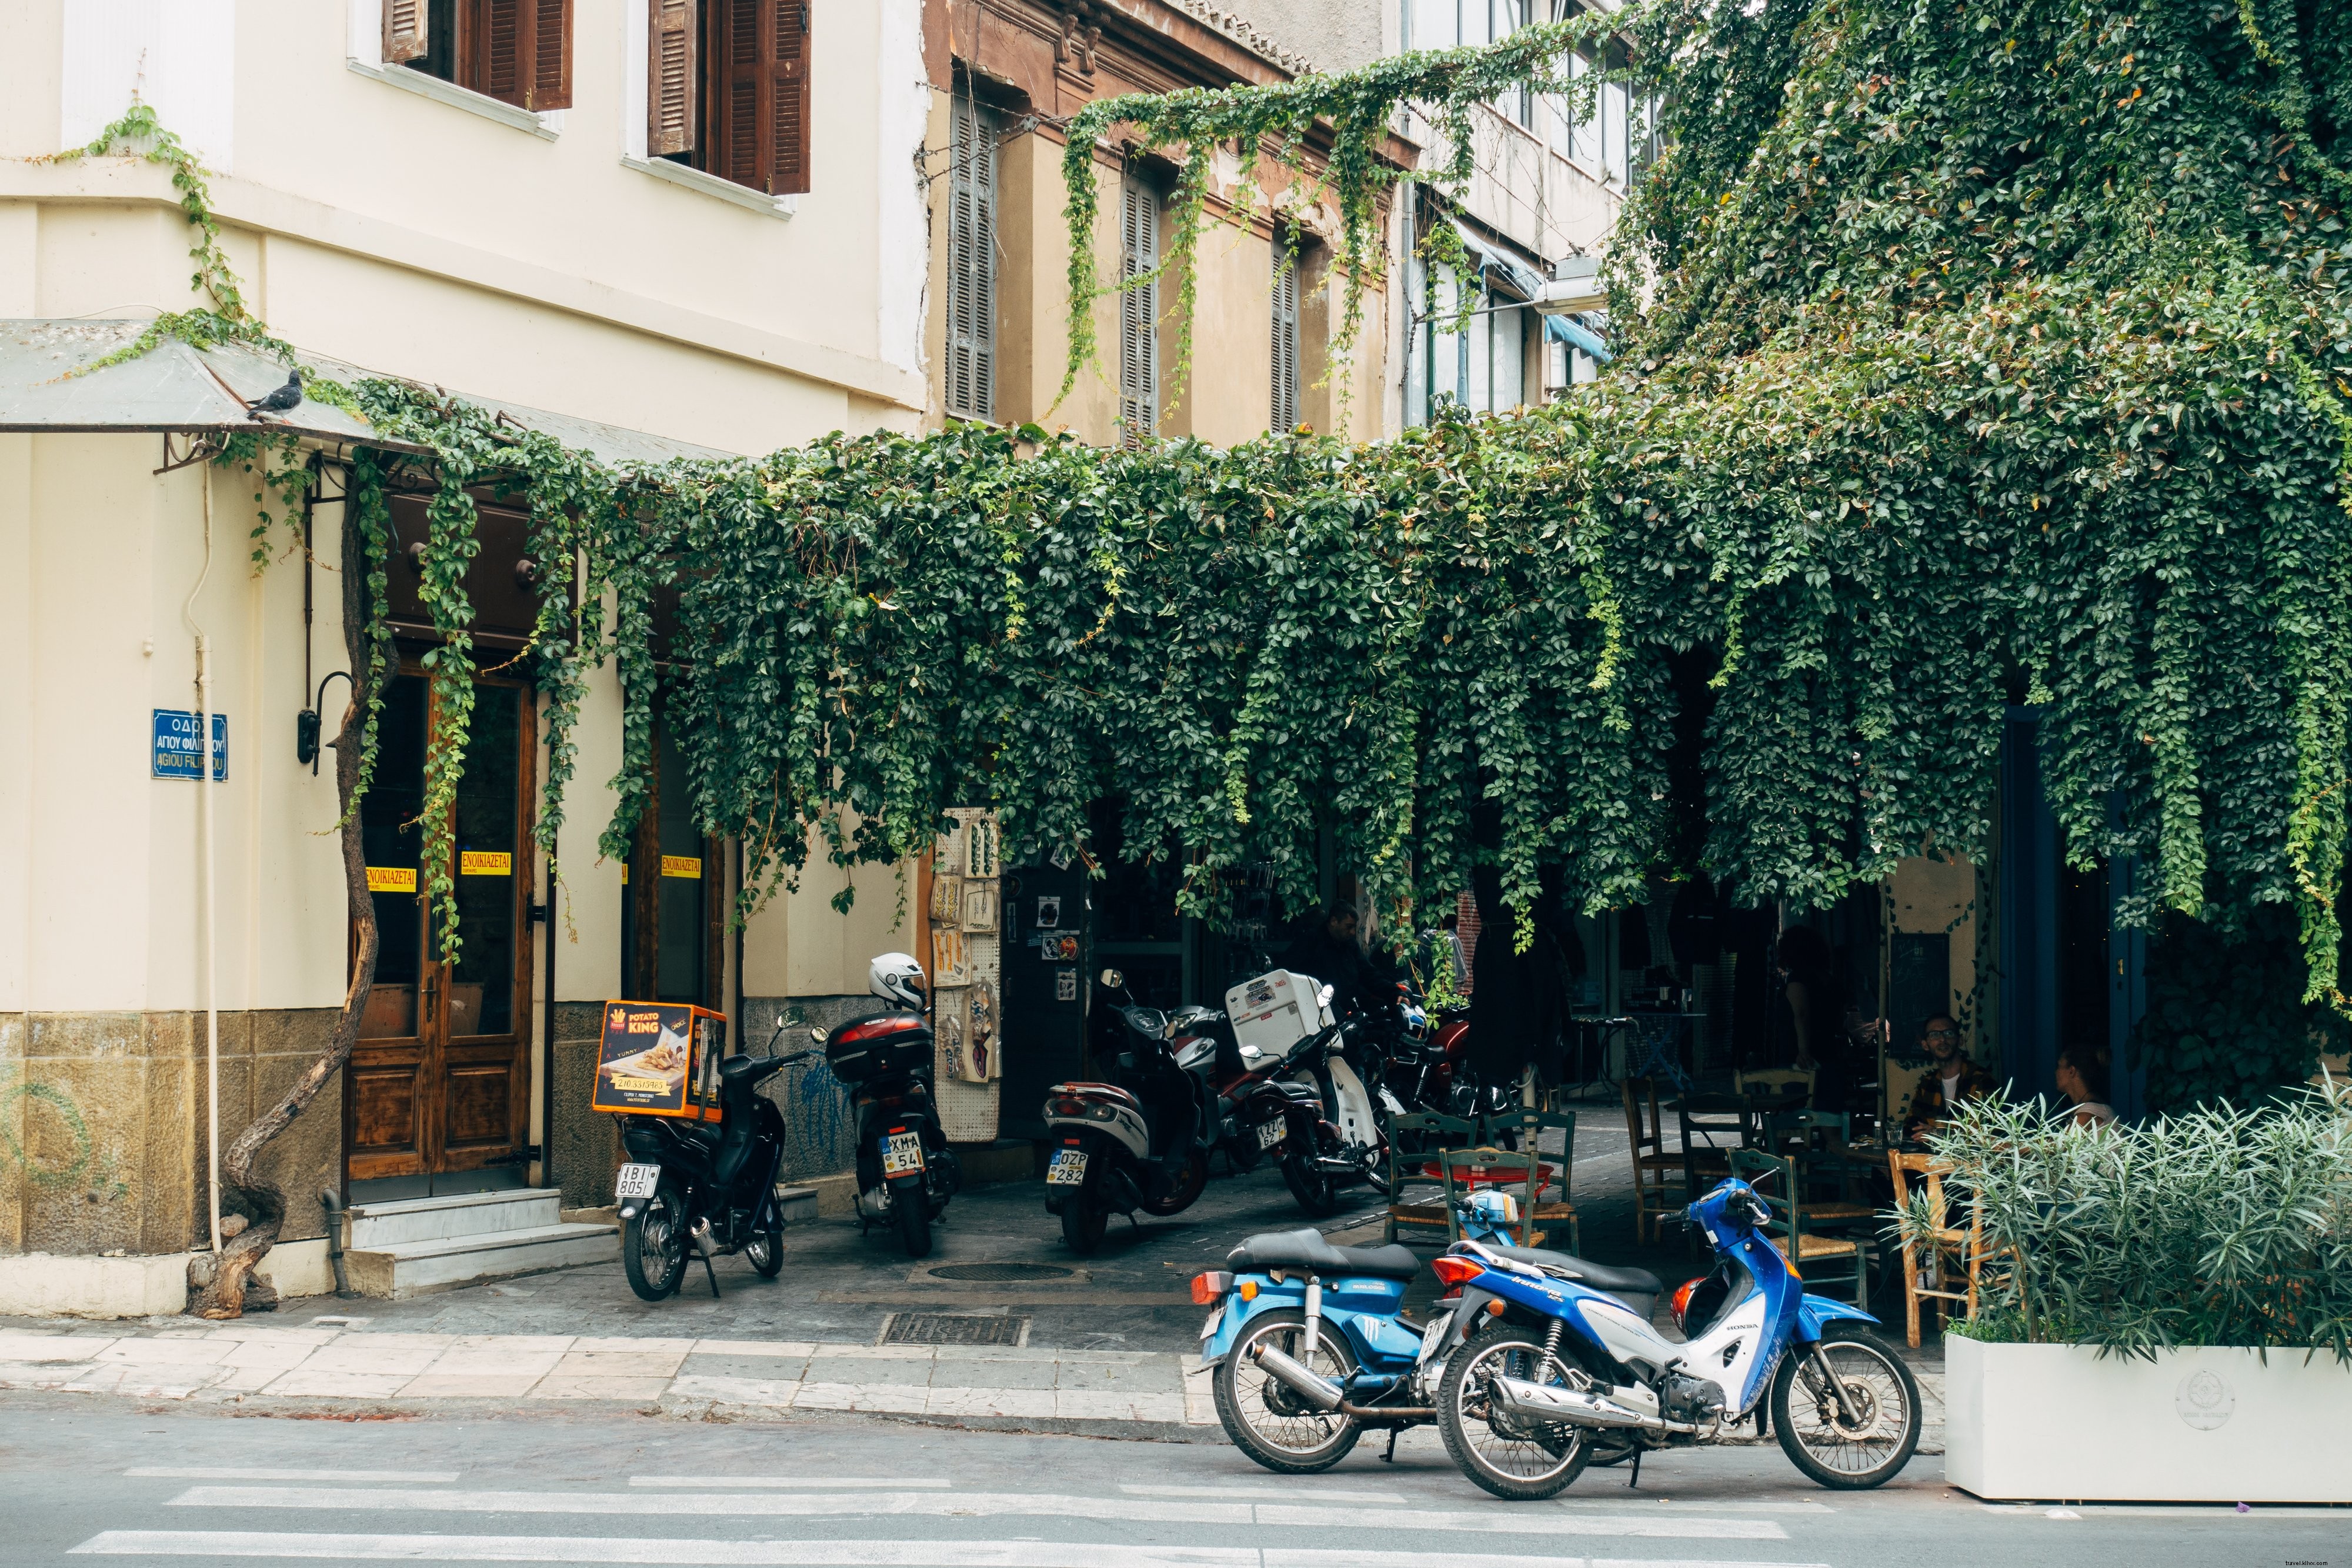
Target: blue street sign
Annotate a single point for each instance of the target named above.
(175, 745)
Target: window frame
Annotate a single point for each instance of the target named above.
(970, 355)
(1138, 308)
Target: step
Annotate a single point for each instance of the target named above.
(465, 1213)
(419, 1268)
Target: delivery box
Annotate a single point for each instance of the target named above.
(660, 1059)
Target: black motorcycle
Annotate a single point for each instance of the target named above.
(906, 1172)
(711, 1188)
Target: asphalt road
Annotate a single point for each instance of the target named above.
(86, 1479)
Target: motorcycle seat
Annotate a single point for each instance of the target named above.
(755, 1068)
(1306, 1252)
(1593, 1276)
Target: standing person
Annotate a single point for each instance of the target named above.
(1444, 945)
(1330, 953)
(1818, 1005)
(2082, 1079)
(1950, 1077)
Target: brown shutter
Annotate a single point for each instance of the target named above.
(503, 69)
(758, 122)
(405, 23)
(551, 56)
(670, 77)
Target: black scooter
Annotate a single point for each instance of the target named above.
(906, 1172)
(714, 1187)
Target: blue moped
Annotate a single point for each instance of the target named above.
(1564, 1369)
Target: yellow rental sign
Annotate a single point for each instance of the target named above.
(392, 878)
(687, 866)
(485, 863)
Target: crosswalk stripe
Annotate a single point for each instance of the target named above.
(593, 1549)
(785, 1483)
(1248, 1490)
(1133, 1510)
(633, 1548)
(244, 1473)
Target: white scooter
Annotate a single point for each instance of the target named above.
(1278, 1010)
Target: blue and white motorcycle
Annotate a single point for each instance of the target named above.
(1565, 1370)
(1309, 1348)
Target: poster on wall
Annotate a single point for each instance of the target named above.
(951, 958)
(979, 907)
(976, 1029)
(952, 1009)
(980, 847)
(947, 899)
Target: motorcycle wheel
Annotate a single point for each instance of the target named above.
(1523, 1461)
(1376, 1174)
(1317, 1193)
(766, 1251)
(653, 1244)
(1082, 1224)
(1884, 1397)
(1187, 1190)
(912, 1206)
(1264, 1418)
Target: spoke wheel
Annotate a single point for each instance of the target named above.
(653, 1244)
(1871, 1438)
(1265, 1417)
(1509, 1456)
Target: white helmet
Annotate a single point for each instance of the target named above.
(897, 977)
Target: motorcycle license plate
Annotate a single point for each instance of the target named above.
(1068, 1168)
(902, 1153)
(636, 1181)
(1269, 1133)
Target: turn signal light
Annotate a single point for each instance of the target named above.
(1680, 1300)
(1207, 1287)
(1248, 1291)
(1453, 1271)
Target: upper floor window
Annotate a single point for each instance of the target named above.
(1139, 313)
(728, 89)
(971, 367)
(1465, 24)
(1289, 255)
(517, 51)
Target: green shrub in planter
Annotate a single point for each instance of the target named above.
(2217, 1227)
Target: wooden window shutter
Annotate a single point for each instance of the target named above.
(1284, 408)
(524, 52)
(671, 38)
(1139, 315)
(405, 26)
(971, 367)
(758, 118)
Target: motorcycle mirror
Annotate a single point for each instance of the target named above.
(1323, 997)
(816, 1034)
(1112, 979)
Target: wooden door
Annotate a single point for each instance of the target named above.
(440, 1079)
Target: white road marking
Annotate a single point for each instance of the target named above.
(237, 1473)
(632, 1549)
(989, 1505)
(593, 1549)
(811, 1483)
(1303, 1491)
(1652, 1505)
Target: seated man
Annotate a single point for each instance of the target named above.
(1950, 1077)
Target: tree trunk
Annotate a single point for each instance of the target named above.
(224, 1285)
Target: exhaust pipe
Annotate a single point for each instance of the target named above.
(1321, 1393)
(1549, 1402)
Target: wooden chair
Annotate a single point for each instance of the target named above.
(1820, 1260)
(1455, 1165)
(1427, 1132)
(1771, 1080)
(1965, 1247)
(1656, 1171)
(1550, 1217)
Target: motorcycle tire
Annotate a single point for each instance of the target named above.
(912, 1209)
(1812, 1427)
(1267, 1421)
(1523, 1463)
(1315, 1189)
(1187, 1190)
(1082, 1224)
(653, 1244)
(766, 1251)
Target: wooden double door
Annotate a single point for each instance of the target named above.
(440, 1079)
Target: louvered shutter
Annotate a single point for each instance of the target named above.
(759, 124)
(972, 266)
(524, 52)
(405, 27)
(1139, 313)
(671, 35)
(1284, 408)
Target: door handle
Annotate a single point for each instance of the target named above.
(432, 991)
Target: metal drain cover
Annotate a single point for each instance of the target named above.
(952, 1329)
(999, 1273)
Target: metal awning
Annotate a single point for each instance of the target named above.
(1567, 330)
(1521, 275)
(48, 388)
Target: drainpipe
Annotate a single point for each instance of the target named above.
(205, 832)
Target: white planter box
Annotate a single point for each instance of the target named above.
(2057, 1422)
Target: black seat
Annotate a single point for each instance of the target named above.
(1306, 1252)
(757, 1068)
(1595, 1276)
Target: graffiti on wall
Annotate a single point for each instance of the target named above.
(70, 1159)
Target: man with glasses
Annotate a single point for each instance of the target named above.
(1950, 1077)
